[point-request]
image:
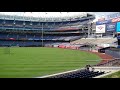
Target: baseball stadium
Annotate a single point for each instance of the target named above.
(59, 45)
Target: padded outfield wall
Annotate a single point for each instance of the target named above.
(113, 52)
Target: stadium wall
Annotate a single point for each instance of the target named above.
(113, 52)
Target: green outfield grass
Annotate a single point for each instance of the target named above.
(23, 62)
(113, 75)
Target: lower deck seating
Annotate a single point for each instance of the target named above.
(19, 43)
(79, 74)
(36, 37)
(27, 43)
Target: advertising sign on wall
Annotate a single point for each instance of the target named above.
(100, 28)
(116, 19)
(101, 19)
(103, 22)
(111, 27)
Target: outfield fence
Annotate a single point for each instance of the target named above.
(114, 53)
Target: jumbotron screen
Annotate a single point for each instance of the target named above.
(118, 27)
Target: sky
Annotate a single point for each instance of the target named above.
(56, 14)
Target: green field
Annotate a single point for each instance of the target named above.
(113, 75)
(28, 62)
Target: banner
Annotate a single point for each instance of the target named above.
(118, 27)
(116, 19)
(103, 22)
(100, 28)
(101, 19)
(111, 27)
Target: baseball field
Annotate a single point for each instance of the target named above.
(30, 62)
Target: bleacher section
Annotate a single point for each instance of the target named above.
(95, 41)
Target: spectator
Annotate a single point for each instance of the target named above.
(87, 67)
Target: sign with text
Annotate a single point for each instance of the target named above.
(103, 22)
(116, 19)
(111, 27)
(101, 19)
(100, 28)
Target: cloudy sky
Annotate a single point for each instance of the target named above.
(98, 14)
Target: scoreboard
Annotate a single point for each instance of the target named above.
(118, 27)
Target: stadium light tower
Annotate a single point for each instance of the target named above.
(42, 34)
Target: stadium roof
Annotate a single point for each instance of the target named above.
(43, 16)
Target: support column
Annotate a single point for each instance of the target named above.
(89, 29)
